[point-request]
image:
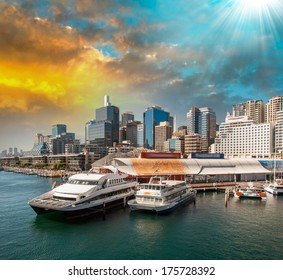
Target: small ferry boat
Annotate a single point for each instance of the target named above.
(275, 188)
(249, 192)
(161, 195)
(84, 194)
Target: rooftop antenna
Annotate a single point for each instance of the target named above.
(106, 101)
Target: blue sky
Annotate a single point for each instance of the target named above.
(175, 54)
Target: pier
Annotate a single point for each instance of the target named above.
(222, 186)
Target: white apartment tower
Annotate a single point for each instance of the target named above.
(274, 105)
(239, 110)
(240, 137)
(254, 109)
(279, 133)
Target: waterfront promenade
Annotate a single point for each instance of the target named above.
(199, 186)
(39, 172)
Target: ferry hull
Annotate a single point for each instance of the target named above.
(40, 211)
(96, 210)
(70, 213)
(162, 209)
(252, 197)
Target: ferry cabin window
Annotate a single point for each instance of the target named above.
(102, 196)
(149, 199)
(82, 182)
(64, 198)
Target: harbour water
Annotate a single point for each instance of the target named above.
(244, 230)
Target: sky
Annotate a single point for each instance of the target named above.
(58, 59)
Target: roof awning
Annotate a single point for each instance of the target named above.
(217, 170)
(149, 167)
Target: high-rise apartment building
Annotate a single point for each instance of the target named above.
(239, 109)
(202, 121)
(278, 143)
(274, 105)
(163, 131)
(254, 109)
(152, 117)
(240, 137)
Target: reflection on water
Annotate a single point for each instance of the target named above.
(245, 229)
(147, 227)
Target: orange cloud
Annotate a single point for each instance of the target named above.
(40, 58)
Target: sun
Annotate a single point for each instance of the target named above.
(258, 5)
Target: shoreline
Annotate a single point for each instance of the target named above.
(63, 174)
(39, 172)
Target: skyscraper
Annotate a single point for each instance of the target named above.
(127, 117)
(58, 129)
(202, 121)
(140, 135)
(104, 130)
(132, 132)
(89, 131)
(194, 121)
(109, 114)
(152, 117)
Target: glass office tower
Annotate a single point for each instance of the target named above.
(202, 121)
(58, 129)
(104, 130)
(110, 114)
(151, 118)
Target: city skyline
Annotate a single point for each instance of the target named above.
(58, 59)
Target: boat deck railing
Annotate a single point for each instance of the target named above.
(49, 203)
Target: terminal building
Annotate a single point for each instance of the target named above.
(196, 170)
(205, 169)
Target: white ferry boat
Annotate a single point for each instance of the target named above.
(161, 195)
(85, 194)
(249, 192)
(275, 188)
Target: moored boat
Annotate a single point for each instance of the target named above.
(249, 192)
(275, 188)
(85, 194)
(161, 195)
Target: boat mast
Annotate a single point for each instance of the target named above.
(274, 163)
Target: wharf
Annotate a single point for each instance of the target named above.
(221, 186)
